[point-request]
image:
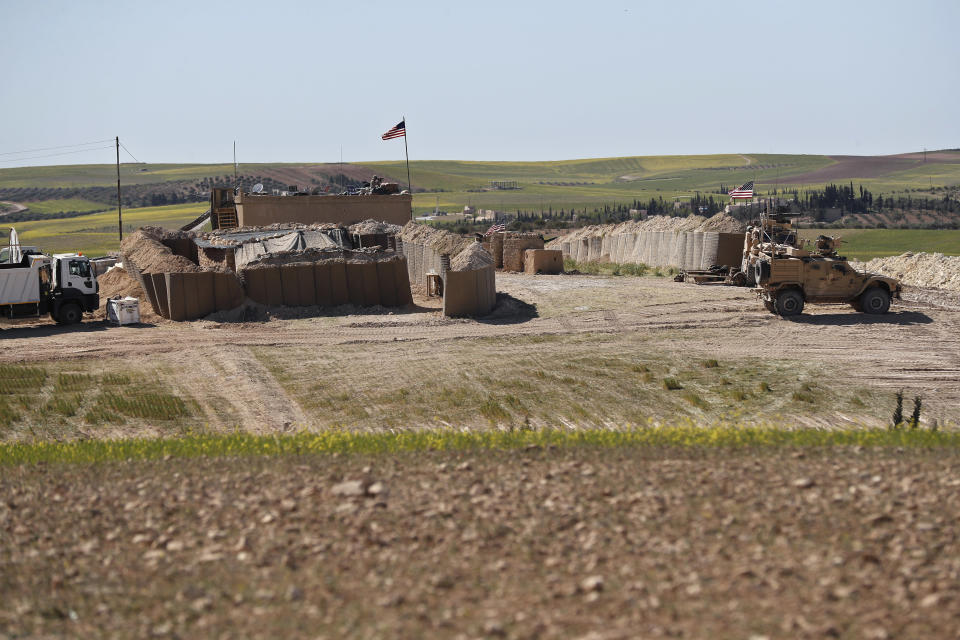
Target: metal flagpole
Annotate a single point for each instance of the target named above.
(407, 153)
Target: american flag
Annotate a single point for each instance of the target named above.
(743, 191)
(398, 131)
(497, 228)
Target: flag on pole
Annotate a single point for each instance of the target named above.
(398, 131)
(743, 191)
(497, 228)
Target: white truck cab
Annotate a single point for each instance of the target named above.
(33, 284)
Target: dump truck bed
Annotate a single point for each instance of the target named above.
(19, 285)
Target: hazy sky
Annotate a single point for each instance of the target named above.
(295, 81)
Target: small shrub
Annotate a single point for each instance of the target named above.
(738, 394)
(799, 396)
(657, 272)
(63, 405)
(492, 411)
(763, 387)
(898, 411)
(710, 364)
(16, 378)
(155, 406)
(639, 368)
(695, 400)
(915, 416)
(671, 384)
(72, 381)
(8, 415)
(115, 379)
(647, 377)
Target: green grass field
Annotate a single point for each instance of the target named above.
(579, 183)
(96, 234)
(864, 244)
(692, 436)
(65, 204)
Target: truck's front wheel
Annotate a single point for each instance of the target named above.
(875, 300)
(69, 314)
(789, 302)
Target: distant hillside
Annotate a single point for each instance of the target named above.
(449, 185)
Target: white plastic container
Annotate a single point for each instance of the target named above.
(123, 311)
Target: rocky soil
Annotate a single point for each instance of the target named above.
(560, 543)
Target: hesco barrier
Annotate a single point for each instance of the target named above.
(187, 296)
(469, 293)
(685, 249)
(366, 283)
(542, 261)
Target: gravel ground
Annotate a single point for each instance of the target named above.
(591, 543)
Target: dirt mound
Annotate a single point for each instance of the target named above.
(373, 226)
(472, 258)
(439, 241)
(117, 283)
(146, 253)
(723, 223)
(929, 270)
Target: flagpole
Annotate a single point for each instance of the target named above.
(407, 153)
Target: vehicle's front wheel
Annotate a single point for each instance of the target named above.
(789, 302)
(69, 314)
(875, 300)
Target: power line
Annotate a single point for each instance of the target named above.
(63, 146)
(50, 155)
(130, 154)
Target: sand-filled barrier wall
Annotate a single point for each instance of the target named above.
(366, 282)
(179, 289)
(423, 247)
(469, 286)
(691, 242)
(691, 250)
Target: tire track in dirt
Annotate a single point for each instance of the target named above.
(260, 400)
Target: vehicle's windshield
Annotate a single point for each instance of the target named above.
(80, 268)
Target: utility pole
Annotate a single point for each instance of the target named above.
(236, 182)
(119, 211)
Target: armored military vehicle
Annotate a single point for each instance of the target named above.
(788, 277)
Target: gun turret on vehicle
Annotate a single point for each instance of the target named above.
(788, 276)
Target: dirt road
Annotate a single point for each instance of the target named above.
(916, 347)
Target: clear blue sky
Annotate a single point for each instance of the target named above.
(293, 81)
